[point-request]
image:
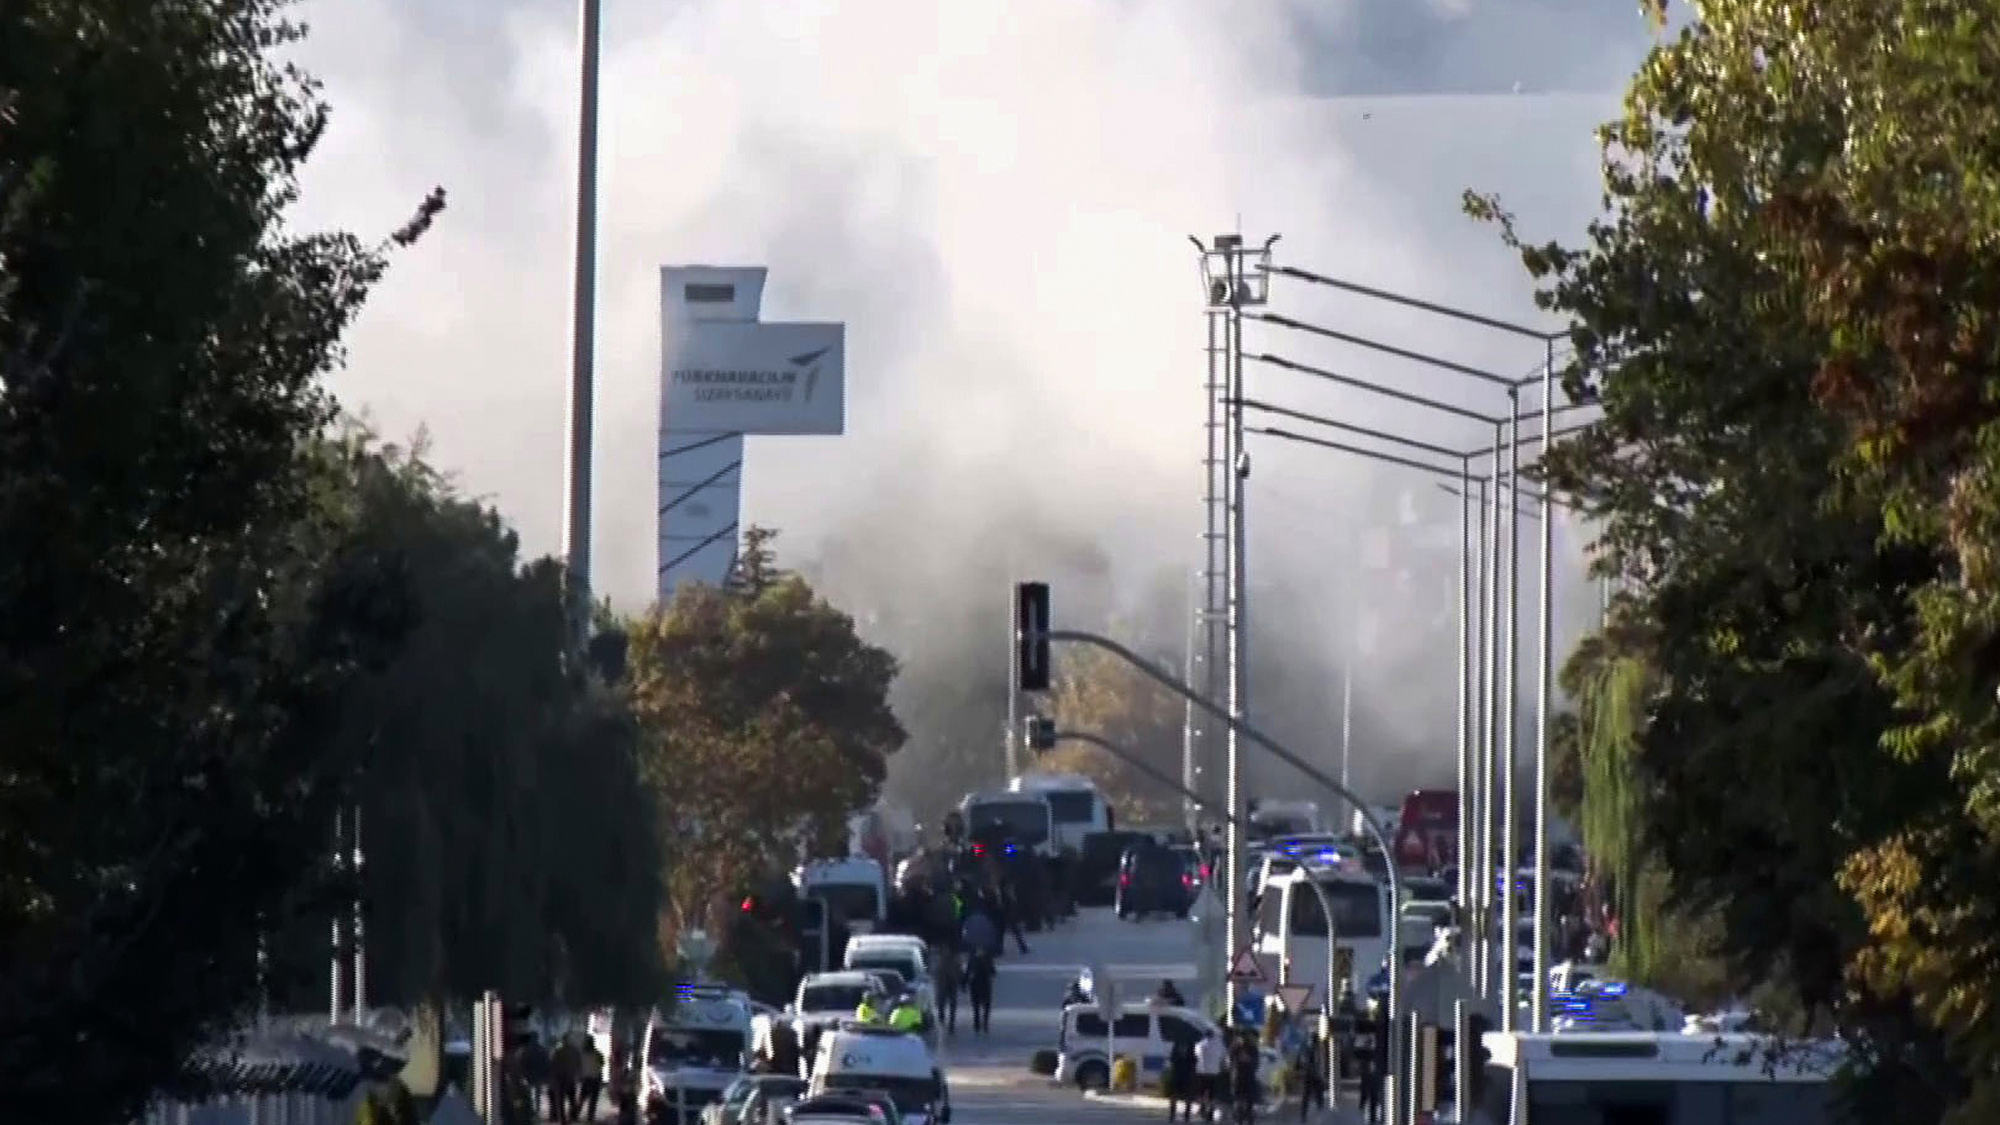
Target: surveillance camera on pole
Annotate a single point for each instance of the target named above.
(1031, 634)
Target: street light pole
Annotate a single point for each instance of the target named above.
(583, 333)
(1466, 774)
(1510, 798)
(1489, 793)
(1544, 630)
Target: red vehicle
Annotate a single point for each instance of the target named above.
(1427, 836)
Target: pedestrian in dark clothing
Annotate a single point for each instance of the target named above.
(1010, 910)
(1182, 1094)
(533, 1072)
(1371, 1062)
(1243, 1078)
(784, 1048)
(948, 979)
(563, 1065)
(979, 974)
(1311, 1065)
(589, 1081)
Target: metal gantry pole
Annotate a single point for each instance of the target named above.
(1467, 773)
(1347, 712)
(1489, 791)
(1509, 792)
(1543, 674)
(583, 330)
(1214, 542)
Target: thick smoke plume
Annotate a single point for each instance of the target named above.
(995, 195)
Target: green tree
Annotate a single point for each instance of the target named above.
(174, 626)
(767, 724)
(1876, 170)
(1740, 712)
(510, 843)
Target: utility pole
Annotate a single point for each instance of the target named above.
(583, 333)
(1233, 283)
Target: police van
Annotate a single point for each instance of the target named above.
(694, 1048)
(858, 1056)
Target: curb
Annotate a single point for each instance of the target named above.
(1156, 1101)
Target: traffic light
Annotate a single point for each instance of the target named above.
(1031, 635)
(1041, 733)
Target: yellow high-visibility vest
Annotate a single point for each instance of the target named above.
(906, 1017)
(866, 1013)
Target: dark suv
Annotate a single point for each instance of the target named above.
(1154, 879)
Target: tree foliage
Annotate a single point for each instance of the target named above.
(509, 842)
(767, 723)
(1097, 693)
(178, 615)
(1787, 314)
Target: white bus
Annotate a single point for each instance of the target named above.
(1292, 927)
(1639, 1078)
(1022, 818)
(1076, 808)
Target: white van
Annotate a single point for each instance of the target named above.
(1668, 1078)
(1024, 818)
(694, 1048)
(1076, 808)
(854, 888)
(857, 1057)
(1291, 927)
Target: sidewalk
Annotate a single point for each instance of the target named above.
(1286, 1110)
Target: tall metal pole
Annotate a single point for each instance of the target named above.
(1475, 863)
(340, 918)
(1233, 444)
(1489, 789)
(583, 332)
(1214, 542)
(360, 866)
(1510, 905)
(1347, 712)
(1190, 805)
(1544, 671)
(1465, 770)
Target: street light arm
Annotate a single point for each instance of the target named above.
(1171, 683)
(1426, 306)
(1387, 349)
(1372, 388)
(1361, 809)
(1133, 760)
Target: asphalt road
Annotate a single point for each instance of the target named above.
(990, 1080)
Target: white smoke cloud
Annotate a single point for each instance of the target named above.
(995, 196)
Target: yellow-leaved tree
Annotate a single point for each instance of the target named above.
(768, 723)
(1097, 693)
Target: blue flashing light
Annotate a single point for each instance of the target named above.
(1614, 990)
(1010, 849)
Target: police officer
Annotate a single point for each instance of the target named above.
(870, 1008)
(906, 1016)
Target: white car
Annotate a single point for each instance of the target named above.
(857, 1057)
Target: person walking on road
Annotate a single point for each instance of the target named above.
(1311, 1066)
(564, 1062)
(979, 974)
(1370, 1051)
(589, 1080)
(949, 980)
(1208, 1059)
(1243, 1078)
(1182, 1085)
(981, 933)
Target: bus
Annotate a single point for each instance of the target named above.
(1023, 818)
(1651, 1078)
(1076, 808)
(1291, 925)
